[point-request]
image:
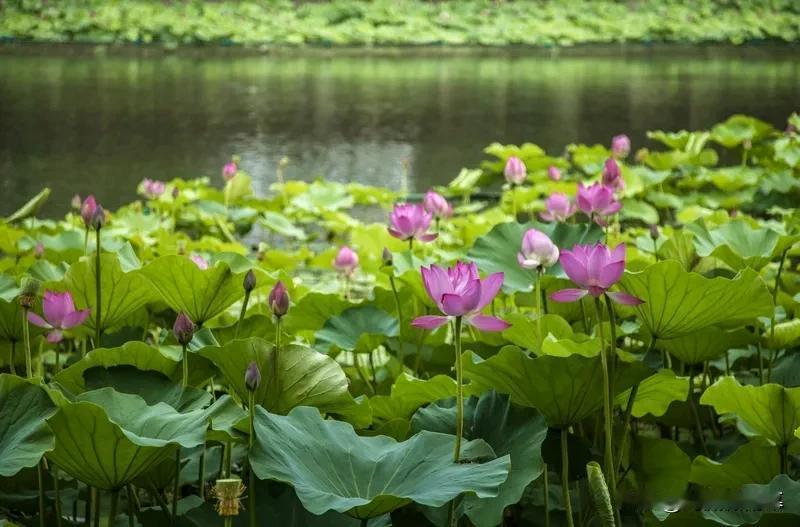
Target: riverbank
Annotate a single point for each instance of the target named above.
(382, 23)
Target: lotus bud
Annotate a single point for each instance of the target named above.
(620, 145)
(538, 251)
(183, 329)
(229, 170)
(38, 250)
(553, 173)
(387, 257)
(30, 290)
(612, 176)
(346, 260)
(249, 281)
(87, 210)
(252, 376)
(98, 218)
(515, 171)
(279, 300)
(654, 232)
(76, 202)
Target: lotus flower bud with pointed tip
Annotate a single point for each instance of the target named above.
(249, 282)
(437, 205)
(87, 210)
(278, 299)
(654, 232)
(620, 145)
(346, 261)
(387, 258)
(252, 376)
(553, 173)
(515, 171)
(76, 202)
(229, 170)
(612, 176)
(538, 251)
(183, 329)
(98, 218)
(38, 250)
(597, 201)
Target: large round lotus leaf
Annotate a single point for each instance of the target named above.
(497, 251)
(740, 128)
(302, 377)
(509, 429)
(678, 302)
(656, 393)
(565, 389)
(408, 394)
(184, 287)
(24, 435)
(660, 467)
(332, 468)
(770, 411)
(360, 329)
(751, 463)
(106, 439)
(122, 294)
(739, 245)
(706, 344)
(139, 355)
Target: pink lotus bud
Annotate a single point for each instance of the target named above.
(87, 210)
(346, 260)
(538, 251)
(153, 188)
(229, 170)
(437, 205)
(183, 329)
(98, 218)
(612, 176)
(515, 171)
(252, 376)
(278, 300)
(38, 250)
(597, 201)
(559, 208)
(553, 173)
(620, 145)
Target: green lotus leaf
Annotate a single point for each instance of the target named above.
(31, 208)
(509, 429)
(360, 329)
(122, 294)
(277, 222)
(787, 150)
(678, 302)
(524, 330)
(634, 209)
(564, 389)
(706, 344)
(785, 335)
(332, 468)
(184, 287)
(740, 128)
(750, 463)
(24, 435)
(497, 251)
(660, 467)
(303, 377)
(656, 393)
(680, 247)
(313, 310)
(106, 439)
(775, 503)
(739, 245)
(409, 393)
(770, 411)
(140, 356)
(152, 386)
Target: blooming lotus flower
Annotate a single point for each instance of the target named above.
(346, 261)
(87, 210)
(199, 261)
(460, 292)
(410, 221)
(553, 173)
(559, 208)
(515, 171)
(594, 268)
(597, 201)
(59, 314)
(153, 188)
(538, 251)
(612, 177)
(620, 145)
(437, 205)
(229, 170)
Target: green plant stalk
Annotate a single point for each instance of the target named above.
(13, 357)
(176, 485)
(612, 359)
(459, 390)
(760, 358)
(628, 409)
(26, 337)
(98, 307)
(608, 458)
(40, 480)
(565, 478)
(228, 457)
(277, 356)
(201, 478)
(774, 307)
(57, 490)
(89, 505)
(112, 512)
(539, 311)
(411, 244)
(696, 416)
(241, 314)
(98, 499)
(251, 440)
(160, 499)
(399, 309)
(546, 497)
(185, 367)
(131, 512)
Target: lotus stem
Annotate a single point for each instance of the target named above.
(364, 522)
(696, 416)
(251, 440)
(26, 337)
(399, 309)
(112, 512)
(411, 244)
(546, 498)
(539, 311)
(57, 489)
(459, 390)
(161, 501)
(612, 359)
(185, 366)
(98, 307)
(13, 357)
(565, 477)
(176, 485)
(277, 356)
(228, 457)
(131, 512)
(608, 458)
(89, 505)
(97, 501)
(202, 476)
(241, 314)
(40, 478)
(760, 358)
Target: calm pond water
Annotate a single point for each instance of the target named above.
(80, 121)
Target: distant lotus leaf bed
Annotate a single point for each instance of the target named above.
(605, 337)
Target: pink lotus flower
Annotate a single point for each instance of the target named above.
(229, 170)
(612, 177)
(594, 268)
(515, 171)
(59, 314)
(346, 261)
(597, 201)
(620, 145)
(538, 251)
(153, 188)
(553, 173)
(459, 292)
(199, 261)
(559, 208)
(87, 210)
(437, 205)
(410, 221)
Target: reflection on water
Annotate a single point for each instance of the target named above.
(100, 123)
